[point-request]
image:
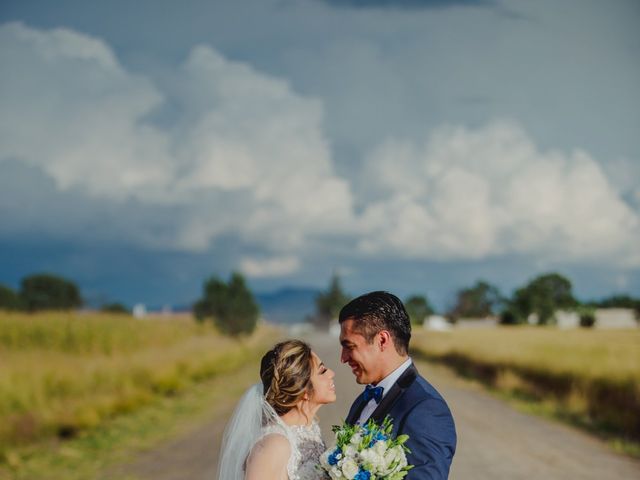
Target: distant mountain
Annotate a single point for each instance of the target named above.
(287, 305)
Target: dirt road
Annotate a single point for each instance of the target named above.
(494, 441)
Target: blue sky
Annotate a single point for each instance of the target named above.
(414, 146)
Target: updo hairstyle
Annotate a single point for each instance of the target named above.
(286, 371)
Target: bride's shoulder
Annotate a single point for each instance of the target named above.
(272, 443)
(270, 455)
(274, 439)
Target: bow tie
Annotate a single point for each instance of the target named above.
(373, 392)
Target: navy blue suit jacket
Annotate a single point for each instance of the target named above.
(417, 410)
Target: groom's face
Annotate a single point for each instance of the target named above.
(363, 357)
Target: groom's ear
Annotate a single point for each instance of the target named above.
(384, 340)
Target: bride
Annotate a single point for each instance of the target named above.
(273, 433)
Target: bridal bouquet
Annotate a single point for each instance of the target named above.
(366, 453)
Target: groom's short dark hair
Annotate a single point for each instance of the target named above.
(377, 311)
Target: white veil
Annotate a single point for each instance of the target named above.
(243, 431)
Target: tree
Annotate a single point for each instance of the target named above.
(478, 301)
(9, 300)
(543, 296)
(329, 302)
(620, 301)
(587, 315)
(231, 306)
(114, 308)
(509, 317)
(49, 292)
(418, 308)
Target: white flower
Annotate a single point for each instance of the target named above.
(335, 473)
(380, 447)
(401, 456)
(350, 451)
(383, 459)
(367, 455)
(372, 458)
(392, 455)
(349, 468)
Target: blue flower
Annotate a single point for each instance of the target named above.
(381, 436)
(333, 458)
(378, 437)
(362, 475)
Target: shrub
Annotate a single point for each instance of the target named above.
(49, 292)
(9, 300)
(231, 306)
(330, 302)
(509, 317)
(418, 308)
(543, 296)
(587, 316)
(114, 308)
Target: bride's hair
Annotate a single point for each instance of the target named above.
(286, 371)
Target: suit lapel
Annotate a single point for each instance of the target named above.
(356, 410)
(405, 380)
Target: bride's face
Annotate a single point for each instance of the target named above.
(324, 390)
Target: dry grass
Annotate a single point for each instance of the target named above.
(589, 354)
(591, 377)
(62, 373)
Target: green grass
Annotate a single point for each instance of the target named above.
(589, 378)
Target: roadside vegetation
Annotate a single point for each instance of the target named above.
(590, 378)
(64, 375)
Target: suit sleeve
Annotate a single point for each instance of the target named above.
(432, 440)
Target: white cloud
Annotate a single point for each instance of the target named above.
(270, 267)
(471, 194)
(245, 154)
(69, 108)
(251, 133)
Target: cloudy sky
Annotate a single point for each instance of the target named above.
(410, 145)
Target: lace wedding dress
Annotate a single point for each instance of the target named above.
(254, 419)
(306, 447)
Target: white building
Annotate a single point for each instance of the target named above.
(436, 322)
(615, 318)
(487, 322)
(566, 320)
(139, 310)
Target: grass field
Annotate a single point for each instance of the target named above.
(588, 377)
(107, 451)
(64, 374)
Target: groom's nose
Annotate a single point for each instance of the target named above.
(344, 357)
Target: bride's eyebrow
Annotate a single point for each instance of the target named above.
(321, 366)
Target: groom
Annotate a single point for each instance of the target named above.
(374, 334)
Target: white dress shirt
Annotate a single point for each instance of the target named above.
(386, 383)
